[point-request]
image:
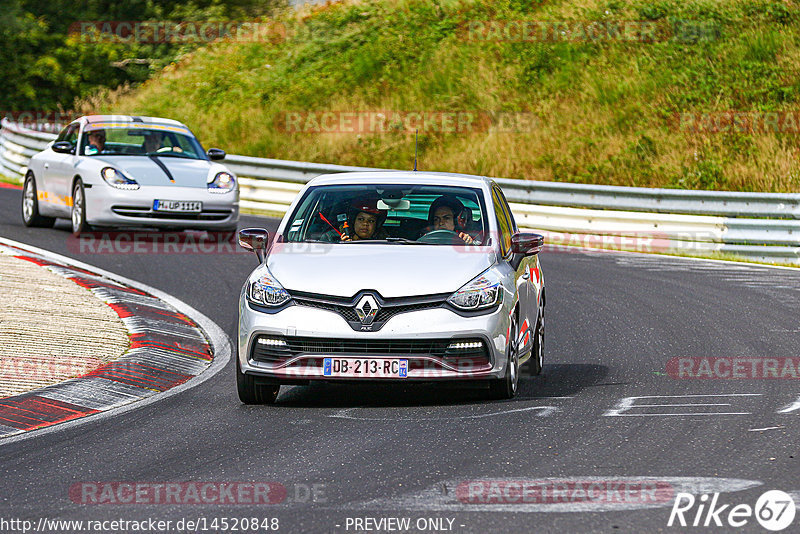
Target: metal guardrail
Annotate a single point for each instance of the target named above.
(762, 226)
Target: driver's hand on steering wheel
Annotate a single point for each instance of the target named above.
(466, 237)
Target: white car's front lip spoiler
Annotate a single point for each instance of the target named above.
(100, 208)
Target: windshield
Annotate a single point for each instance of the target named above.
(135, 139)
(402, 214)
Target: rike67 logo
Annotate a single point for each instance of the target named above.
(774, 510)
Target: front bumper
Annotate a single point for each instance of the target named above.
(311, 326)
(108, 206)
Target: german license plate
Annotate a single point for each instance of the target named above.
(365, 367)
(187, 206)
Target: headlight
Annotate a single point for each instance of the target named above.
(114, 178)
(267, 291)
(484, 291)
(222, 183)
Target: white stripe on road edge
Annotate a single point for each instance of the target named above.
(346, 414)
(219, 341)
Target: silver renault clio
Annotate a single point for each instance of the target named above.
(392, 276)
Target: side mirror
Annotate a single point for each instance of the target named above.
(215, 154)
(63, 147)
(255, 240)
(527, 243)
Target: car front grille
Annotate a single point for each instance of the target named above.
(388, 307)
(147, 213)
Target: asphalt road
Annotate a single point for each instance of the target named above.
(345, 452)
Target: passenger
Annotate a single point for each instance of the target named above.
(444, 214)
(364, 221)
(97, 142)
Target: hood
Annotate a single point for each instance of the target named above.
(392, 270)
(185, 172)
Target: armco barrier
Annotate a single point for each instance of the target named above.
(761, 226)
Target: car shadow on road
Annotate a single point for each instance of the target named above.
(557, 380)
(562, 380)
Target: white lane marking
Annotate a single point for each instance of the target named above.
(677, 260)
(220, 344)
(445, 495)
(679, 414)
(791, 407)
(667, 405)
(345, 414)
(765, 428)
(629, 403)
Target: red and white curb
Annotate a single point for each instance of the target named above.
(173, 347)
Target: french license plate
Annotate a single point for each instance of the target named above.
(178, 205)
(365, 367)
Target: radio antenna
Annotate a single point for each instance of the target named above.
(416, 134)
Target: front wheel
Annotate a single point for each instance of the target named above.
(78, 209)
(30, 206)
(252, 393)
(506, 387)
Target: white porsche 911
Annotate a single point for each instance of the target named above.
(112, 171)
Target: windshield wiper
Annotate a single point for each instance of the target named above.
(404, 241)
(169, 155)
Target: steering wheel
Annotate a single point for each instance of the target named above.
(170, 149)
(441, 237)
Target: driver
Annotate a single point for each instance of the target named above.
(97, 142)
(444, 214)
(152, 141)
(364, 221)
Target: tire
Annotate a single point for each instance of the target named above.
(536, 361)
(252, 393)
(506, 387)
(30, 206)
(78, 215)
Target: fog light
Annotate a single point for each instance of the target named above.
(465, 345)
(271, 341)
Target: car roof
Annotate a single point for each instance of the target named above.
(90, 119)
(401, 177)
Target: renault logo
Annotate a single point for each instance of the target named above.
(366, 309)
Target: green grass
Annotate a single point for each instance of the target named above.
(10, 180)
(607, 111)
